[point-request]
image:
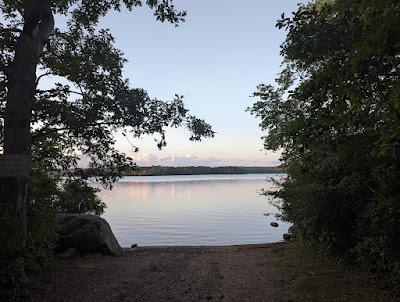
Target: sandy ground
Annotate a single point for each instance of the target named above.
(230, 273)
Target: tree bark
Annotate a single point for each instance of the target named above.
(21, 85)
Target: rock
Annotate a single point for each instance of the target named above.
(287, 237)
(274, 224)
(86, 234)
(69, 254)
(134, 245)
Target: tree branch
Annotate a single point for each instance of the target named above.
(41, 76)
(57, 90)
(10, 29)
(43, 132)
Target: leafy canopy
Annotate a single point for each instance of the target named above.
(87, 99)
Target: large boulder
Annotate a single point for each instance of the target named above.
(87, 234)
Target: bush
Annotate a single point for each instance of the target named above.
(11, 251)
(41, 220)
(78, 197)
(48, 194)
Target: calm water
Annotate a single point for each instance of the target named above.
(192, 210)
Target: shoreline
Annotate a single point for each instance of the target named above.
(167, 247)
(202, 170)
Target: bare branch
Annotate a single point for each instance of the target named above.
(41, 76)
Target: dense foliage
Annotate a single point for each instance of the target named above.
(335, 113)
(161, 170)
(81, 100)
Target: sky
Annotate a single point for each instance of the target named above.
(215, 59)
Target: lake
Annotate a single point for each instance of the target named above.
(192, 210)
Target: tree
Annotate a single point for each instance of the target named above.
(335, 113)
(88, 101)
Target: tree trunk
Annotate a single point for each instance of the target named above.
(21, 85)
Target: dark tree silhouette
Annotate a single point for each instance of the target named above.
(87, 102)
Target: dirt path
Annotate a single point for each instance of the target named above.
(232, 273)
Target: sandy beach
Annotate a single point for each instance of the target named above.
(227, 273)
(265, 272)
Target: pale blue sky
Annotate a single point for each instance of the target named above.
(216, 59)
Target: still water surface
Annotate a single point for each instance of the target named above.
(192, 210)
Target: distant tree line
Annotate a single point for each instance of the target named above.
(162, 170)
(335, 111)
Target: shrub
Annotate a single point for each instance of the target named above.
(48, 194)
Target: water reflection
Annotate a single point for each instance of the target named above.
(195, 210)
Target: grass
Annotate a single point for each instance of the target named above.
(305, 275)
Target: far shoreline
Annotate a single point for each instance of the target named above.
(202, 170)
